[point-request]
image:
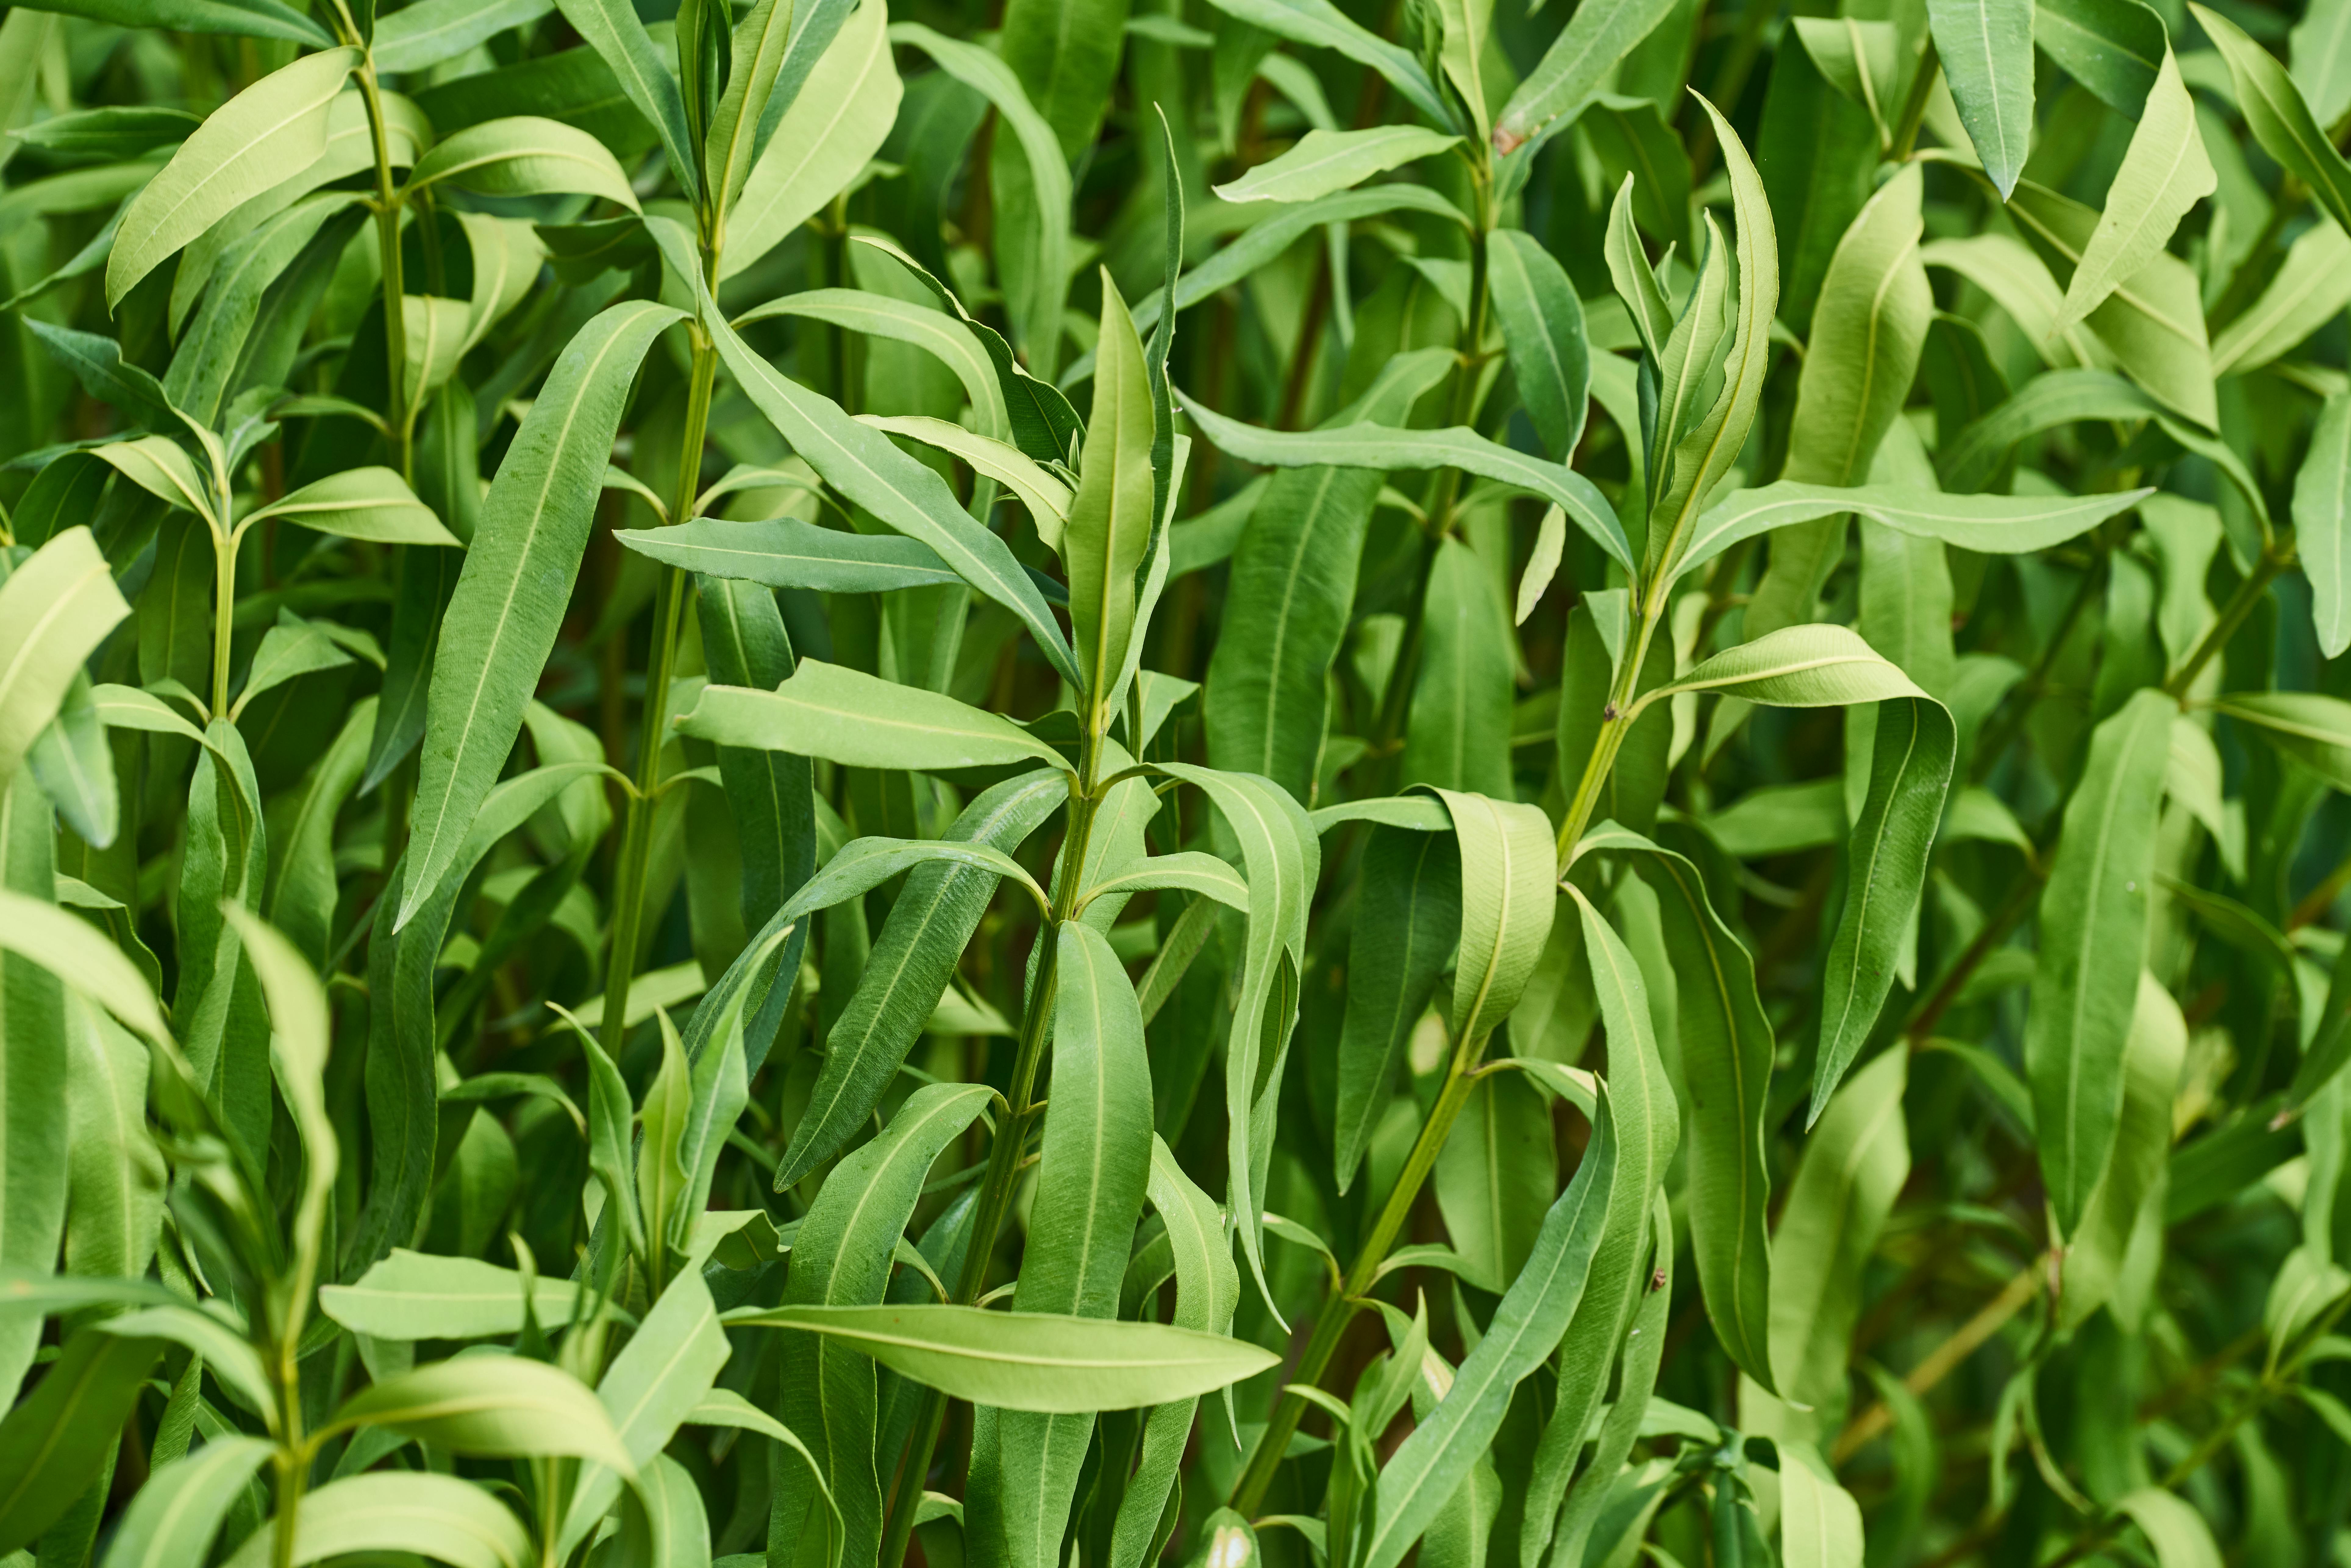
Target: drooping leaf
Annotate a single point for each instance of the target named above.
(273, 129)
(2094, 923)
(511, 595)
(1986, 47)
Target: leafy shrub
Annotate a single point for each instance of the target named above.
(988, 794)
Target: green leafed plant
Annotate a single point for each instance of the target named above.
(1233, 782)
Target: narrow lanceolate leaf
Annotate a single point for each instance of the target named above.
(1037, 315)
(398, 1514)
(1869, 328)
(1886, 868)
(758, 46)
(2112, 48)
(913, 960)
(1030, 1361)
(516, 583)
(51, 1444)
(55, 609)
(861, 721)
(1110, 516)
(1283, 858)
(1290, 597)
(898, 489)
(1705, 455)
(1726, 1063)
(525, 155)
(2094, 923)
(1319, 24)
(1381, 446)
(2310, 288)
(1578, 65)
(2278, 116)
(2096, 1254)
(175, 1516)
(2322, 524)
(1045, 496)
(612, 28)
(1093, 1167)
(494, 1406)
(42, 947)
(271, 130)
(1507, 866)
(431, 31)
(1991, 525)
(2180, 1537)
(1855, 1161)
(785, 552)
(1820, 1524)
(416, 1295)
(1327, 160)
(836, 122)
(1431, 1463)
(298, 1031)
(1208, 1289)
(842, 1258)
(80, 954)
(1408, 923)
(1543, 326)
(1457, 735)
(1799, 666)
(115, 1175)
(374, 504)
(1647, 1125)
(2164, 173)
(2311, 728)
(655, 1382)
(1986, 47)
(936, 333)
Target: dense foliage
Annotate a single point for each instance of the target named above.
(1232, 780)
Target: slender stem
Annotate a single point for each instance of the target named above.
(1945, 1357)
(1330, 1325)
(1397, 697)
(2320, 899)
(2274, 560)
(396, 417)
(2249, 277)
(1310, 342)
(1616, 722)
(1992, 746)
(1447, 491)
(629, 880)
(1914, 108)
(293, 1459)
(225, 547)
(996, 1187)
(1995, 931)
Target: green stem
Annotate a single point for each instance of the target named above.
(2249, 592)
(1448, 489)
(636, 840)
(225, 547)
(1616, 722)
(1914, 108)
(1445, 489)
(2249, 275)
(996, 1187)
(396, 418)
(1994, 744)
(1331, 1325)
(293, 1461)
